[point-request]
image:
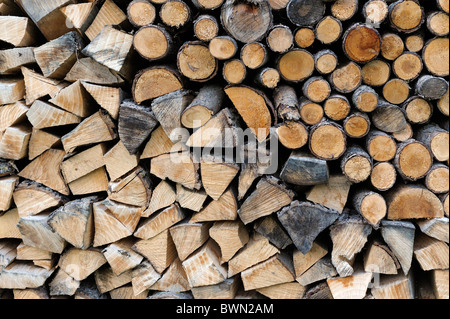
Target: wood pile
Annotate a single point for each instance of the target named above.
(112, 113)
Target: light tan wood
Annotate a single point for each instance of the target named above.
(254, 107)
(133, 189)
(210, 170)
(74, 99)
(144, 276)
(109, 14)
(436, 228)
(175, 13)
(431, 253)
(7, 186)
(392, 46)
(80, 264)
(108, 228)
(43, 115)
(37, 233)
(32, 198)
(159, 250)
(383, 176)
(80, 15)
(290, 290)
(94, 129)
(61, 284)
(41, 141)
(12, 90)
(18, 31)
(182, 169)
(118, 161)
(94, 182)
(160, 222)
(74, 222)
(225, 208)
(121, 257)
(414, 43)
(322, 269)
(195, 61)
(304, 37)
(275, 270)
(435, 62)
(428, 206)
(344, 9)
(119, 53)
(159, 144)
(338, 185)
(163, 196)
(302, 262)
(173, 280)
(141, 13)
(260, 204)
(407, 66)
(349, 235)
(296, 65)
(399, 11)
(154, 82)
(36, 85)
(218, 131)
(25, 252)
(280, 39)
(45, 170)
(106, 280)
(234, 71)
(224, 290)
(311, 113)
(440, 283)
(109, 98)
(380, 260)
(337, 107)
(22, 275)
(203, 267)
(376, 72)
(126, 292)
(8, 225)
(346, 78)
(394, 287)
(8, 252)
(56, 58)
(223, 47)
(230, 236)
(187, 237)
(206, 27)
(351, 287)
(89, 70)
(190, 199)
(327, 140)
(256, 250)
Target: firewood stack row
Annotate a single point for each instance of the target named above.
(123, 173)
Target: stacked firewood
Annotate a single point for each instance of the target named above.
(285, 149)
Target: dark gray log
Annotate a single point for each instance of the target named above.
(431, 87)
(304, 169)
(304, 221)
(136, 122)
(305, 12)
(388, 118)
(270, 228)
